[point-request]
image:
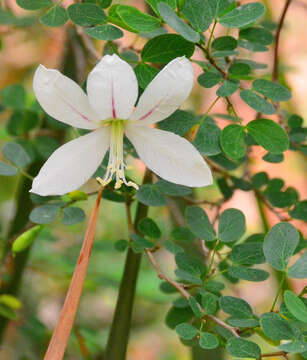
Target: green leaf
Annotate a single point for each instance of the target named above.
(198, 14)
(182, 234)
(148, 227)
(136, 19)
(45, 145)
(231, 225)
(188, 277)
(245, 273)
(14, 96)
(16, 154)
(242, 323)
(208, 341)
(299, 269)
(219, 7)
(199, 223)
(257, 35)
(189, 264)
(224, 188)
(241, 184)
(223, 43)
(255, 47)
(272, 90)
(176, 316)
(154, 4)
(34, 4)
(173, 248)
(150, 195)
(275, 327)
(177, 24)
(281, 199)
(26, 239)
(7, 312)
(269, 135)
(236, 307)
(121, 245)
(207, 140)
(209, 302)
(145, 74)
(7, 170)
(243, 15)
(233, 141)
(186, 331)
(209, 79)
(296, 346)
(273, 158)
(104, 3)
(171, 189)
(257, 102)
(296, 306)
(180, 122)
(72, 215)
(260, 179)
(44, 214)
(141, 242)
(239, 69)
(86, 14)
(279, 245)
(21, 122)
(166, 47)
(228, 88)
(243, 348)
(105, 32)
(195, 307)
(56, 16)
(248, 254)
(295, 121)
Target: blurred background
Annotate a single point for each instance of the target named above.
(53, 255)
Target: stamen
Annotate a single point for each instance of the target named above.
(116, 163)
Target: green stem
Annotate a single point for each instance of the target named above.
(211, 35)
(120, 329)
(280, 288)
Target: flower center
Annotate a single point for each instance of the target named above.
(116, 165)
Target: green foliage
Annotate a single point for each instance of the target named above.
(86, 14)
(243, 15)
(105, 32)
(56, 16)
(279, 245)
(16, 154)
(199, 249)
(243, 348)
(233, 141)
(269, 135)
(257, 102)
(34, 4)
(72, 215)
(231, 225)
(170, 17)
(199, 223)
(166, 47)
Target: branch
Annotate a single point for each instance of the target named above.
(279, 353)
(59, 340)
(277, 37)
(185, 294)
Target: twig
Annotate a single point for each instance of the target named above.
(88, 44)
(59, 340)
(277, 38)
(278, 353)
(185, 294)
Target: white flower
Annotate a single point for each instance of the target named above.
(107, 109)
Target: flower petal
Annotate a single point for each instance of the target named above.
(63, 99)
(166, 92)
(112, 88)
(72, 164)
(170, 156)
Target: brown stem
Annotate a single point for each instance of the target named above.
(82, 344)
(59, 340)
(185, 294)
(277, 38)
(278, 353)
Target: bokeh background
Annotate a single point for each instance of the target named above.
(54, 254)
